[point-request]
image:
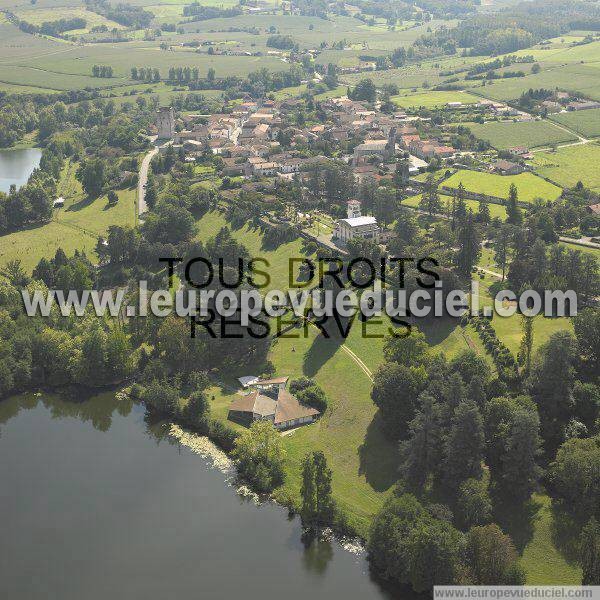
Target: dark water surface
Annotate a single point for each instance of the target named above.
(17, 165)
(95, 503)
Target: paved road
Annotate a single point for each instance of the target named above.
(143, 179)
(580, 242)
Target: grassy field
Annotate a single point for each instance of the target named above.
(77, 226)
(415, 75)
(335, 29)
(37, 16)
(569, 165)
(531, 134)
(541, 559)
(78, 60)
(496, 210)
(577, 78)
(528, 185)
(434, 99)
(584, 122)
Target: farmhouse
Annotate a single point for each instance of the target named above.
(506, 167)
(270, 401)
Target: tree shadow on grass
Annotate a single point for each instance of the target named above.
(436, 330)
(320, 351)
(566, 531)
(517, 520)
(87, 201)
(378, 457)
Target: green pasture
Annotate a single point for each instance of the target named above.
(79, 60)
(531, 134)
(584, 122)
(496, 210)
(567, 166)
(77, 226)
(37, 16)
(583, 79)
(529, 186)
(434, 99)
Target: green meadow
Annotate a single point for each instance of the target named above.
(77, 226)
(531, 134)
(496, 210)
(584, 122)
(567, 166)
(529, 186)
(434, 99)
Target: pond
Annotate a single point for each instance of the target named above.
(17, 165)
(97, 502)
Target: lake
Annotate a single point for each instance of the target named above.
(17, 165)
(96, 502)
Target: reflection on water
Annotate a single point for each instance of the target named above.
(99, 501)
(17, 165)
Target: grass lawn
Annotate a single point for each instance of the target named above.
(77, 226)
(528, 185)
(508, 134)
(543, 562)
(569, 165)
(508, 329)
(584, 122)
(210, 224)
(434, 99)
(364, 463)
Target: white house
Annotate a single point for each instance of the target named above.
(356, 225)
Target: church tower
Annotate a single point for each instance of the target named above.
(165, 122)
(354, 209)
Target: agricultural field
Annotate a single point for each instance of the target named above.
(347, 57)
(37, 16)
(528, 185)
(531, 134)
(414, 76)
(163, 91)
(434, 99)
(584, 122)
(122, 57)
(52, 80)
(309, 32)
(15, 45)
(577, 78)
(569, 165)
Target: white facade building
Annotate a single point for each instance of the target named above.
(356, 226)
